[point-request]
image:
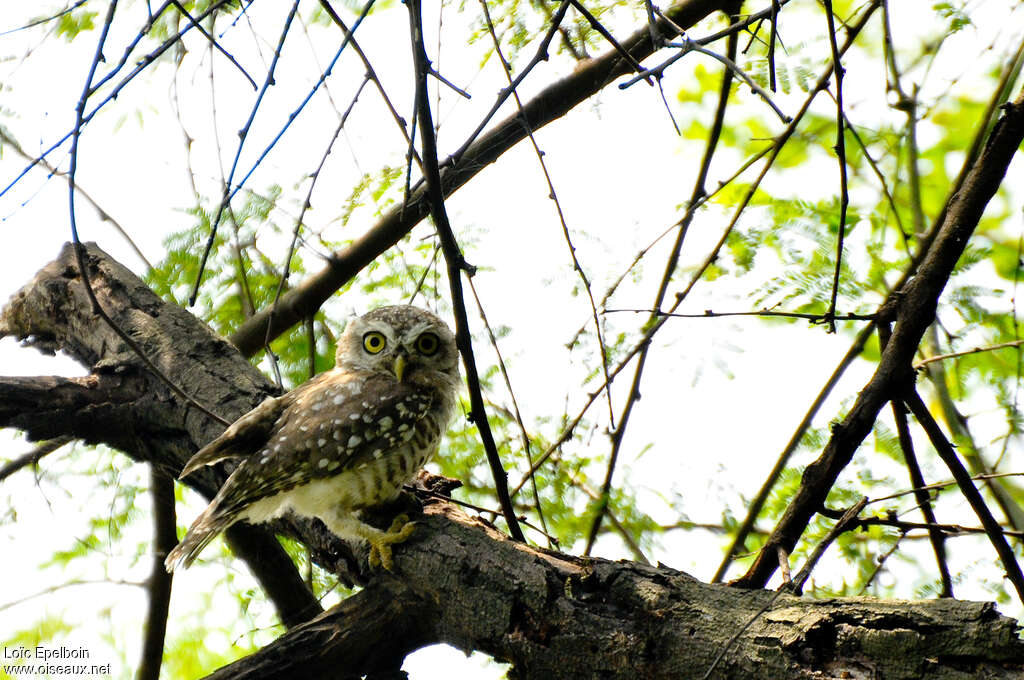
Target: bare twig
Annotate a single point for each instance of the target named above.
(938, 486)
(880, 562)
(159, 582)
(464, 164)
(772, 38)
(606, 34)
(917, 478)
(922, 498)
(688, 45)
(69, 584)
(711, 314)
(371, 73)
(100, 212)
(953, 355)
(33, 457)
(45, 20)
(842, 525)
(967, 488)
(840, 149)
(942, 529)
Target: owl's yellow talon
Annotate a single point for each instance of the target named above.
(380, 546)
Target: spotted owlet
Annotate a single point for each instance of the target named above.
(346, 440)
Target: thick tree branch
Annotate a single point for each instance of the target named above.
(90, 408)
(122, 405)
(461, 582)
(915, 310)
(372, 631)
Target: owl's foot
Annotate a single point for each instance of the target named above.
(380, 543)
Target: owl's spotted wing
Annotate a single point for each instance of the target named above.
(328, 429)
(249, 433)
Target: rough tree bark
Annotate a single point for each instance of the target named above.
(458, 580)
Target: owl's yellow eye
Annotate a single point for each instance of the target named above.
(374, 342)
(427, 344)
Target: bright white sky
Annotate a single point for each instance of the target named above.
(620, 172)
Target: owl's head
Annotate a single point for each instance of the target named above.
(406, 342)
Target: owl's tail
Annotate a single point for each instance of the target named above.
(203, 530)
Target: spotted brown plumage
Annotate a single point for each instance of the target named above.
(346, 440)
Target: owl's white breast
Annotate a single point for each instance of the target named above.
(374, 483)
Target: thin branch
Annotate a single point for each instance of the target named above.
(688, 45)
(880, 562)
(539, 56)
(34, 456)
(624, 534)
(779, 142)
(213, 41)
(840, 149)
(606, 34)
(45, 20)
(736, 636)
(141, 65)
(1006, 498)
(755, 506)
(452, 86)
(193, 22)
(283, 280)
(371, 73)
(953, 355)
(722, 184)
(921, 496)
(845, 522)
(711, 314)
(967, 488)
(939, 486)
(552, 540)
(772, 38)
(456, 265)
(100, 212)
(917, 478)
(577, 266)
(49, 590)
(159, 582)
(732, 29)
(292, 117)
(883, 184)
(591, 397)
(950, 530)
(475, 154)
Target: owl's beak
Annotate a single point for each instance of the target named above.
(399, 366)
